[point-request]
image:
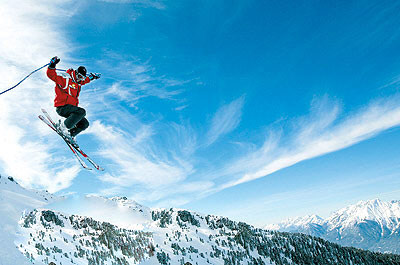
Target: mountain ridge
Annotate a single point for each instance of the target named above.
(372, 224)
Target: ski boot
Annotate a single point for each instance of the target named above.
(62, 129)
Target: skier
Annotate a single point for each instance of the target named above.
(68, 87)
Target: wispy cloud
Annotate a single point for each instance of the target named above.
(225, 120)
(134, 160)
(181, 107)
(322, 132)
(134, 80)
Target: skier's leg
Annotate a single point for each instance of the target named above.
(80, 126)
(73, 115)
(63, 111)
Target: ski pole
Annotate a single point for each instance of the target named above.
(23, 79)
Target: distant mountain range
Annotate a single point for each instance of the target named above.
(372, 225)
(121, 231)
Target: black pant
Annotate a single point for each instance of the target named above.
(75, 118)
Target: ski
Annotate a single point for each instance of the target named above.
(83, 164)
(96, 166)
(77, 148)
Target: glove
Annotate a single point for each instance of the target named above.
(93, 76)
(55, 60)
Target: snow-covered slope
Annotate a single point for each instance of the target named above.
(47, 236)
(14, 200)
(121, 231)
(373, 225)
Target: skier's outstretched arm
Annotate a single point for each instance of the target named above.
(91, 77)
(52, 74)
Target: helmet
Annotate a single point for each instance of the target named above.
(82, 70)
(80, 73)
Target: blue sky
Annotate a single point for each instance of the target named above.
(256, 110)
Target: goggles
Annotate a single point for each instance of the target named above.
(79, 76)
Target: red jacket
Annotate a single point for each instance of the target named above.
(67, 89)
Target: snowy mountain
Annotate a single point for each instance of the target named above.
(14, 200)
(121, 231)
(310, 224)
(372, 225)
